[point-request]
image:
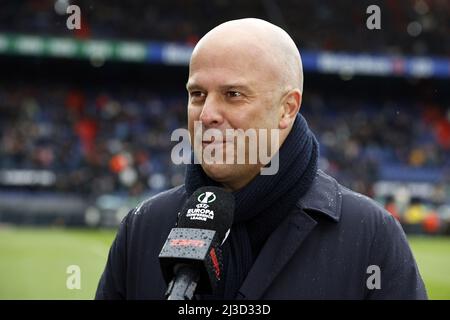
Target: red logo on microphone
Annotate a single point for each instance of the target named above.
(215, 262)
(186, 243)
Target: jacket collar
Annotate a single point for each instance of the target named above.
(276, 253)
(323, 197)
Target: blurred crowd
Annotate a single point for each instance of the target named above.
(362, 137)
(118, 141)
(419, 216)
(101, 141)
(407, 26)
(95, 142)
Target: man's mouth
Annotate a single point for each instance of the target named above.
(207, 143)
(213, 140)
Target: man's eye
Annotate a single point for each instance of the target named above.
(197, 95)
(234, 94)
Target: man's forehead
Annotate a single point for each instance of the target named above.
(251, 44)
(195, 83)
(221, 79)
(230, 66)
(227, 55)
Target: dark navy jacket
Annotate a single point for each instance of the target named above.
(323, 250)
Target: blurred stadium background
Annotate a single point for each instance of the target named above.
(86, 117)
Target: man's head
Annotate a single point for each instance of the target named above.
(243, 74)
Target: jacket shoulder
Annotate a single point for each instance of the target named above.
(165, 199)
(328, 197)
(350, 209)
(161, 209)
(361, 209)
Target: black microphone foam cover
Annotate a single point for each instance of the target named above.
(210, 208)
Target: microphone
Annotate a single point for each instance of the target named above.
(191, 258)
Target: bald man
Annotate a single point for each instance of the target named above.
(297, 233)
(243, 74)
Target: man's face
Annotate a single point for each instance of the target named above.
(231, 88)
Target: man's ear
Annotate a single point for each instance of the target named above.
(290, 107)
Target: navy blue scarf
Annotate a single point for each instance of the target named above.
(263, 203)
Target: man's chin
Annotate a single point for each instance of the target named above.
(220, 172)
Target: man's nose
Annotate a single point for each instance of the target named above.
(211, 115)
